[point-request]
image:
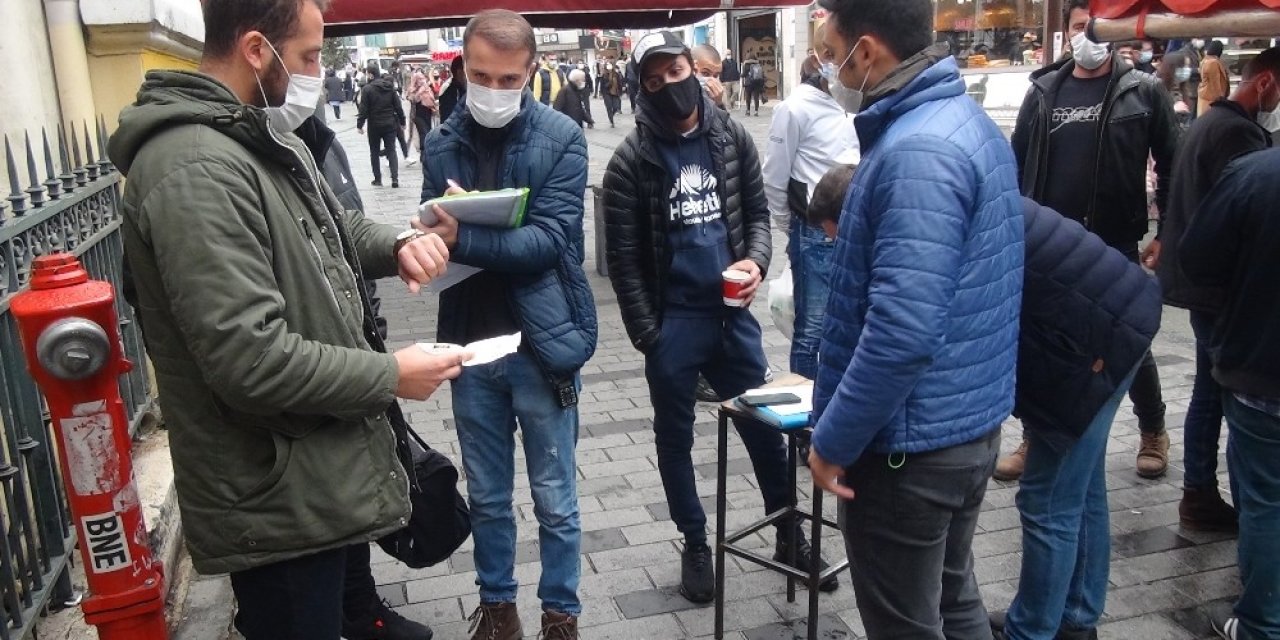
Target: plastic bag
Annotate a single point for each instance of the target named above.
(782, 303)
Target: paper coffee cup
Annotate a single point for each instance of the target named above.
(734, 281)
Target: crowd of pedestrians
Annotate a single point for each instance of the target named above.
(944, 278)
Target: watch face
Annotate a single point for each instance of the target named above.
(406, 235)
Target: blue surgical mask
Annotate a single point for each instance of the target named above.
(1183, 74)
(1146, 56)
(828, 71)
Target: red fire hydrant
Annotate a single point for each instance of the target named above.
(69, 332)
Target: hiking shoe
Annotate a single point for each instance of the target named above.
(558, 626)
(495, 621)
(697, 573)
(1227, 628)
(383, 623)
(1205, 510)
(1010, 467)
(803, 554)
(1153, 454)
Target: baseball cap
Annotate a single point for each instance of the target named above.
(656, 43)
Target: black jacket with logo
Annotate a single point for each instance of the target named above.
(1137, 122)
(636, 197)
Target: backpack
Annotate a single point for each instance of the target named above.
(756, 75)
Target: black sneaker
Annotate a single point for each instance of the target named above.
(376, 183)
(395, 184)
(383, 623)
(803, 553)
(704, 392)
(697, 573)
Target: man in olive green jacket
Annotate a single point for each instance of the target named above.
(246, 268)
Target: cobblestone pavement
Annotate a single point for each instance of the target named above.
(1163, 579)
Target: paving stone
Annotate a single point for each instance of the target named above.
(748, 614)
(1140, 543)
(829, 628)
(650, 602)
(661, 626)
(1146, 626)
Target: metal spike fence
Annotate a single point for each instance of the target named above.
(75, 208)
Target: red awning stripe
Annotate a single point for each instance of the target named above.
(1109, 9)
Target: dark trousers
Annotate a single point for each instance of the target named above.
(612, 105)
(359, 591)
(1203, 425)
(753, 96)
(337, 110)
(299, 599)
(631, 93)
(422, 126)
(909, 536)
(383, 143)
(727, 350)
(1148, 400)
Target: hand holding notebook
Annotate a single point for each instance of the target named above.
(503, 209)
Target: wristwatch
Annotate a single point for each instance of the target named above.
(405, 237)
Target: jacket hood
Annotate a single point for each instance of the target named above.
(172, 98)
(652, 122)
(902, 91)
(382, 84)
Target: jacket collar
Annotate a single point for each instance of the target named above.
(922, 78)
(1049, 79)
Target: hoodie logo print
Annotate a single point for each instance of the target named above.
(694, 199)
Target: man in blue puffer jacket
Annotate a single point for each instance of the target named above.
(532, 282)
(916, 369)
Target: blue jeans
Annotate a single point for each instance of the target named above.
(810, 251)
(727, 350)
(1252, 451)
(487, 402)
(1066, 537)
(1203, 424)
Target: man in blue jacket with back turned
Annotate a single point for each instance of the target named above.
(916, 369)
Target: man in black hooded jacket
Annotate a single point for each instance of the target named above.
(684, 202)
(380, 107)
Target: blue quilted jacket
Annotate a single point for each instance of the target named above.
(541, 260)
(921, 336)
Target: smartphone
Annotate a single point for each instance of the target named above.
(770, 399)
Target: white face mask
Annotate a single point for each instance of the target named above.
(1087, 53)
(1269, 120)
(848, 98)
(493, 108)
(300, 99)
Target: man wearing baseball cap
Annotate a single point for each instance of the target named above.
(685, 209)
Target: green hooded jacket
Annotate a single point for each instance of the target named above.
(252, 316)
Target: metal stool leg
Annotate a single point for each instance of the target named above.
(722, 454)
(814, 562)
(791, 523)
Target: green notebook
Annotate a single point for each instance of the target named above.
(503, 208)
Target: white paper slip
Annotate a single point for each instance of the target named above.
(486, 351)
(454, 274)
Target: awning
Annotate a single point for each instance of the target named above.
(355, 17)
(1128, 19)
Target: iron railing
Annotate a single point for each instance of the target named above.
(76, 211)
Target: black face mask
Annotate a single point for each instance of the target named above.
(678, 100)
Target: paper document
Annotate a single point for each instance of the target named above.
(503, 208)
(804, 391)
(483, 351)
(453, 274)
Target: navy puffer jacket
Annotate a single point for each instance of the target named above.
(1088, 316)
(541, 260)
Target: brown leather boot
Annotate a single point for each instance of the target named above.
(1205, 510)
(558, 626)
(496, 621)
(1153, 454)
(1010, 467)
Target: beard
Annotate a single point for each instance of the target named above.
(275, 84)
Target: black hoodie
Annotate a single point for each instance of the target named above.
(380, 107)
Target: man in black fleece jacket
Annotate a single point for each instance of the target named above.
(1233, 245)
(1225, 131)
